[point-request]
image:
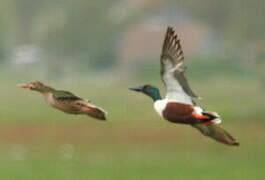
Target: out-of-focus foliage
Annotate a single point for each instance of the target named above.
(88, 32)
(240, 20)
(82, 32)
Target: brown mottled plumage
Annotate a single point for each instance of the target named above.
(66, 101)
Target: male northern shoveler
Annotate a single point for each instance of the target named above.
(178, 106)
(66, 101)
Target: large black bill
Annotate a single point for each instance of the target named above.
(138, 89)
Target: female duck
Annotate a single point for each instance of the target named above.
(66, 101)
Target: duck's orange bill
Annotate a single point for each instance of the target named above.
(25, 85)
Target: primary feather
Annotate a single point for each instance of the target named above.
(172, 73)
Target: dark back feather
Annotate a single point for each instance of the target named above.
(65, 95)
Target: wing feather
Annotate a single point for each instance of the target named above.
(65, 95)
(172, 73)
(217, 133)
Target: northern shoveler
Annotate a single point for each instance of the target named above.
(179, 106)
(66, 101)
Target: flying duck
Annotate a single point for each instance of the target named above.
(66, 101)
(179, 106)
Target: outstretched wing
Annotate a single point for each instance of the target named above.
(217, 133)
(65, 95)
(172, 73)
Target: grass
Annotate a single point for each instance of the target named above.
(125, 158)
(38, 142)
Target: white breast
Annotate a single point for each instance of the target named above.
(159, 106)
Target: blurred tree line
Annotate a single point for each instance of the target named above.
(85, 32)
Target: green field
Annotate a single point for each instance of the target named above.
(38, 142)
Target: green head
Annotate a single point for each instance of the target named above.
(149, 90)
(37, 86)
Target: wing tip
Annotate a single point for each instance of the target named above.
(217, 133)
(170, 28)
(171, 45)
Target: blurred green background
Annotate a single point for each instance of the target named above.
(97, 49)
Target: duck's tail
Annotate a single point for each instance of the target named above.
(206, 118)
(97, 113)
(94, 111)
(210, 118)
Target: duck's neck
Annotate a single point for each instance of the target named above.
(155, 95)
